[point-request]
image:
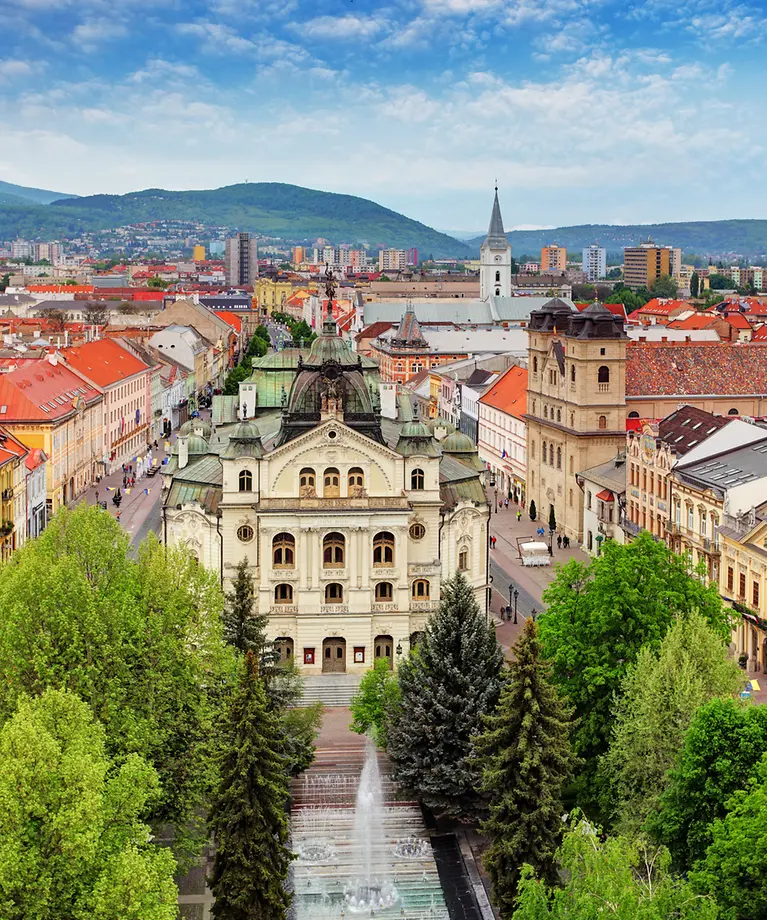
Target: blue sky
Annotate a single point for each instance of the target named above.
(585, 110)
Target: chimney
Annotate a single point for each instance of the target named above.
(183, 450)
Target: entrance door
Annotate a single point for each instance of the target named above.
(284, 649)
(383, 647)
(334, 656)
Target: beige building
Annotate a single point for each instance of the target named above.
(576, 407)
(348, 522)
(644, 263)
(743, 582)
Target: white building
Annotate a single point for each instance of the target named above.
(36, 491)
(348, 522)
(502, 432)
(495, 258)
(595, 262)
(604, 503)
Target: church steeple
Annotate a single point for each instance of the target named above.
(495, 258)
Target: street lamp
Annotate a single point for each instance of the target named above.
(399, 650)
(513, 595)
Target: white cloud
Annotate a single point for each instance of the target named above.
(10, 69)
(342, 28)
(216, 38)
(89, 35)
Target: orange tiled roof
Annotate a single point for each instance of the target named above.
(509, 392)
(60, 288)
(104, 361)
(34, 458)
(233, 319)
(696, 321)
(10, 448)
(696, 369)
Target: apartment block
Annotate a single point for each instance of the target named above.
(594, 262)
(241, 260)
(553, 258)
(392, 260)
(644, 263)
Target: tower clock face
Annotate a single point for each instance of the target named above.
(497, 258)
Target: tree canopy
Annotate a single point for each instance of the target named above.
(74, 843)
(664, 286)
(371, 705)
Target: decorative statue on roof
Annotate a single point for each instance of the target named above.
(330, 287)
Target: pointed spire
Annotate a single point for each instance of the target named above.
(496, 237)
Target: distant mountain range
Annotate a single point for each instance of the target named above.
(710, 237)
(20, 194)
(273, 209)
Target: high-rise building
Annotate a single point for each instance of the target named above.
(412, 256)
(495, 258)
(553, 258)
(198, 253)
(644, 263)
(392, 260)
(595, 262)
(298, 256)
(241, 260)
(21, 249)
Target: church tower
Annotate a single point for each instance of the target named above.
(495, 258)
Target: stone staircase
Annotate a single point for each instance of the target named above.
(331, 689)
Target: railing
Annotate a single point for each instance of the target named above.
(630, 526)
(328, 573)
(394, 502)
(283, 608)
(383, 571)
(424, 605)
(334, 608)
(383, 606)
(603, 387)
(7, 495)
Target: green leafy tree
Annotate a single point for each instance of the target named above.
(234, 378)
(74, 843)
(723, 745)
(718, 282)
(526, 759)
(664, 286)
(618, 878)
(5, 280)
(600, 615)
(377, 695)
(451, 680)
(732, 871)
(262, 333)
(139, 640)
(658, 699)
(247, 814)
(533, 511)
(552, 519)
(257, 347)
(694, 284)
(243, 627)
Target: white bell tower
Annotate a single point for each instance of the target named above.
(495, 258)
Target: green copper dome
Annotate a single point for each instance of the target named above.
(197, 445)
(244, 441)
(457, 443)
(196, 424)
(331, 348)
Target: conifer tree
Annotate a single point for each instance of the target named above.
(533, 511)
(243, 627)
(248, 810)
(451, 680)
(526, 758)
(552, 519)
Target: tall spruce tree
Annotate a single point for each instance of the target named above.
(526, 757)
(450, 682)
(243, 627)
(247, 814)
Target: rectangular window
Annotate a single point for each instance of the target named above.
(755, 595)
(742, 585)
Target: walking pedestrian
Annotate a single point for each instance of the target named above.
(559, 541)
(519, 515)
(566, 541)
(506, 503)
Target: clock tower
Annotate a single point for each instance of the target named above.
(495, 258)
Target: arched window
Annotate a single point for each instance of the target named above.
(307, 478)
(559, 415)
(334, 593)
(246, 481)
(545, 411)
(284, 551)
(356, 479)
(333, 551)
(497, 277)
(603, 374)
(420, 589)
(559, 458)
(535, 364)
(544, 452)
(417, 480)
(572, 373)
(383, 548)
(331, 483)
(497, 292)
(463, 559)
(633, 415)
(384, 591)
(602, 421)
(283, 594)
(733, 412)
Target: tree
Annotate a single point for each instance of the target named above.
(5, 280)
(451, 680)
(664, 286)
(74, 843)
(526, 760)
(600, 615)
(139, 640)
(552, 519)
(263, 333)
(243, 627)
(694, 284)
(658, 699)
(248, 814)
(617, 878)
(157, 284)
(96, 314)
(722, 747)
(235, 377)
(732, 870)
(58, 319)
(718, 282)
(377, 695)
(614, 273)
(532, 510)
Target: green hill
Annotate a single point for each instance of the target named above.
(273, 209)
(711, 237)
(21, 193)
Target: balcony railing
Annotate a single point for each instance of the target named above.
(424, 605)
(283, 608)
(603, 387)
(7, 495)
(630, 526)
(334, 608)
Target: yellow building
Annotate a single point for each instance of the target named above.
(743, 582)
(271, 295)
(553, 258)
(198, 254)
(13, 501)
(644, 263)
(46, 405)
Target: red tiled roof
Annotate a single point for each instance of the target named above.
(104, 361)
(35, 457)
(696, 369)
(232, 319)
(41, 391)
(737, 320)
(374, 330)
(10, 448)
(659, 306)
(60, 288)
(509, 392)
(605, 495)
(617, 309)
(696, 321)
(760, 334)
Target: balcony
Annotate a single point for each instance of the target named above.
(424, 568)
(383, 606)
(286, 574)
(7, 495)
(283, 608)
(334, 608)
(329, 573)
(416, 606)
(603, 387)
(383, 571)
(630, 527)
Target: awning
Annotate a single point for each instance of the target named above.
(753, 685)
(605, 495)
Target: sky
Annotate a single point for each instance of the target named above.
(584, 111)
